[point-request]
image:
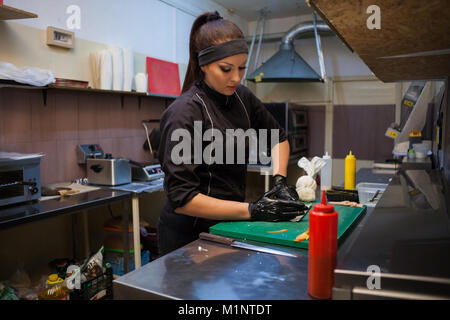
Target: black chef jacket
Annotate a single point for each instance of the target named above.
(242, 110)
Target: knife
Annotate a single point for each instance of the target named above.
(233, 243)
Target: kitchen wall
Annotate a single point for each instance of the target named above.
(70, 118)
(154, 28)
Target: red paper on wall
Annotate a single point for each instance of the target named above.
(163, 77)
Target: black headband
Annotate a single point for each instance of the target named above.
(223, 50)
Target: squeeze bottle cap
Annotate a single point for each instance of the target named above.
(350, 155)
(326, 156)
(324, 206)
(53, 279)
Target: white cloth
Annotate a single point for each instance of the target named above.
(306, 182)
(306, 185)
(128, 69)
(117, 68)
(311, 167)
(32, 76)
(106, 70)
(306, 194)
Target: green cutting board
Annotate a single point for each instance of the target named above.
(259, 230)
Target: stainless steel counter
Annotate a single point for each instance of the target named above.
(406, 238)
(206, 270)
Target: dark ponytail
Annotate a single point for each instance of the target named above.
(209, 29)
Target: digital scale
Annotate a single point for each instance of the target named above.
(147, 173)
(145, 179)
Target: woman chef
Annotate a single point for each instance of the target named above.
(201, 193)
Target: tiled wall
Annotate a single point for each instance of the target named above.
(70, 118)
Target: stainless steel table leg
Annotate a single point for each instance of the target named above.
(75, 237)
(86, 249)
(136, 231)
(125, 234)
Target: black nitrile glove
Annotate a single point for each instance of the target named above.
(282, 190)
(268, 208)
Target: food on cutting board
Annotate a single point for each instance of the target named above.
(278, 231)
(347, 204)
(303, 236)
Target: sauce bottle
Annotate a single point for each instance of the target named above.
(323, 228)
(56, 289)
(325, 173)
(350, 172)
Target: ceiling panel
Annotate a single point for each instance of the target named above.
(249, 9)
(412, 43)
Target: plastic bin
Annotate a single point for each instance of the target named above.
(367, 190)
(99, 288)
(116, 260)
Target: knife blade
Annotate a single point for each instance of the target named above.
(233, 243)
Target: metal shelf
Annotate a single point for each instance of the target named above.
(122, 93)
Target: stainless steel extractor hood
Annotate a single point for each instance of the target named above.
(287, 65)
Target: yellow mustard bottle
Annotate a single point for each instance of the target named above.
(56, 289)
(350, 172)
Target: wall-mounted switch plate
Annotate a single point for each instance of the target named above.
(60, 38)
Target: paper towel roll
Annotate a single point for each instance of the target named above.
(106, 70)
(117, 67)
(128, 69)
(141, 82)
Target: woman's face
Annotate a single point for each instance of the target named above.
(225, 75)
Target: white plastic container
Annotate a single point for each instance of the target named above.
(421, 150)
(367, 190)
(325, 173)
(141, 82)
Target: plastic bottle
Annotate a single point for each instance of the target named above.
(350, 172)
(323, 227)
(56, 289)
(325, 173)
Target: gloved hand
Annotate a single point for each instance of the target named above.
(282, 190)
(268, 208)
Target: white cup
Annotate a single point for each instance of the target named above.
(141, 82)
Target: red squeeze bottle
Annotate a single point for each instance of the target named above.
(323, 227)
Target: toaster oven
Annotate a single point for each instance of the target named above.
(19, 178)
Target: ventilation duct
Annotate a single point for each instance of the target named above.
(287, 65)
